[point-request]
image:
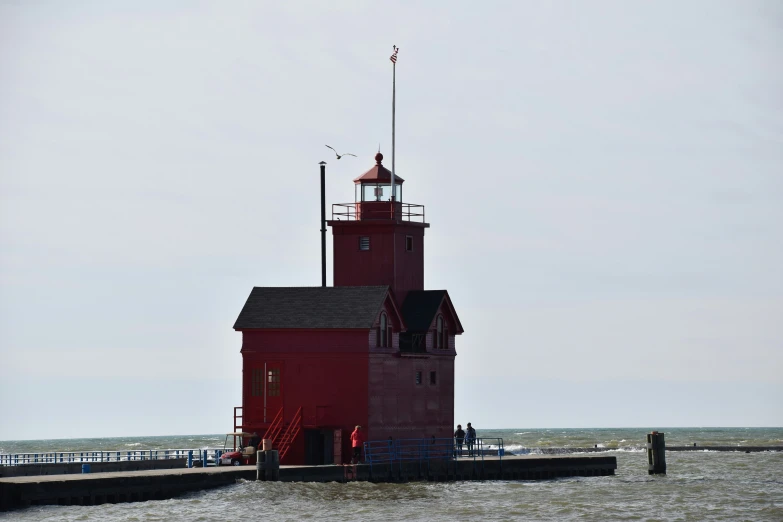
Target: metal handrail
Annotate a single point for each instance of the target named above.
(74, 457)
(405, 211)
(426, 450)
(290, 434)
(275, 428)
(237, 415)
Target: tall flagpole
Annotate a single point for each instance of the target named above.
(394, 104)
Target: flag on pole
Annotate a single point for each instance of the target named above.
(393, 57)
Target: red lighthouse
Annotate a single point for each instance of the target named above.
(376, 349)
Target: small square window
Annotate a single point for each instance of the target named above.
(409, 243)
(364, 243)
(433, 378)
(418, 377)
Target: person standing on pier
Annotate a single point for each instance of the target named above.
(357, 441)
(470, 439)
(459, 437)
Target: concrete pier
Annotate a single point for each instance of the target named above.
(135, 486)
(67, 468)
(741, 449)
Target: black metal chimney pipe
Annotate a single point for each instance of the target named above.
(323, 223)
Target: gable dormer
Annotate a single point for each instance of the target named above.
(385, 331)
(431, 321)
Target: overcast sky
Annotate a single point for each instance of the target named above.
(603, 179)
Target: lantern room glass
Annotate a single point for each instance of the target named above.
(378, 192)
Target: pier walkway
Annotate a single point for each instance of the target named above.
(159, 484)
(565, 451)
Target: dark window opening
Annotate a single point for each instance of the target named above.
(439, 333)
(257, 383)
(409, 243)
(383, 334)
(433, 378)
(412, 343)
(273, 390)
(364, 243)
(418, 377)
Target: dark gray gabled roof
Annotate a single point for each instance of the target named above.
(312, 307)
(420, 307)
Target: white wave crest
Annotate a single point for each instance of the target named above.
(517, 449)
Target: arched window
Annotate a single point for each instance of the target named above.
(439, 333)
(383, 335)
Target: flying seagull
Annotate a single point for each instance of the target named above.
(341, 155)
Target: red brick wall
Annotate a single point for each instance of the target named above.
(386, 263)
(402, 409)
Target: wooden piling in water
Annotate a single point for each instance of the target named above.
(656, 454)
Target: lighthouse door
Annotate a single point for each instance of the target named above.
(274, 389)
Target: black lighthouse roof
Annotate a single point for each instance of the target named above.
(345, 307)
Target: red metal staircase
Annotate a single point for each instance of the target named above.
(283, 434)
(274, 429)
(290, 434)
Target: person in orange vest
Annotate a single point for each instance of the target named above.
(357, 441)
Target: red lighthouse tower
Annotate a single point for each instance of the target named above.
(376, 349)
(378, 239)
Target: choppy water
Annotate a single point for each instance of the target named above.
(699, 486)
(628, 439)
(113, 444)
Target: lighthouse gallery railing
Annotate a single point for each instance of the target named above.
(400, 211)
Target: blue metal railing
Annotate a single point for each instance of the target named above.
(69, 457)
(425, 451)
